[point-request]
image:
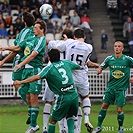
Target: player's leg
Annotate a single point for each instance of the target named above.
(83, 91)
(73, 111)
(48, 99)
(63, 125)
(108, 98)
(120, 102)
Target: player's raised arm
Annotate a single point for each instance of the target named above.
(11, 48)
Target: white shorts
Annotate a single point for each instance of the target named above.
(48, 94)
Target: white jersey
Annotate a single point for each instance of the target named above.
(53, 44)
(78, 52)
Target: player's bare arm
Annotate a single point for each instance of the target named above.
(31, 79)
(99, 71)
(9, 57)
(11, 48)
(92, 64)
(26, 61)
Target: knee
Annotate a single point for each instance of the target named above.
(52, 121)
(119, 110)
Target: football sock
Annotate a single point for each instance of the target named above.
(79, 118)
(61, 124)
(29, 111)
(120, 119)
(46, 114)
(70, 124)
(34, 114)
(101, 116)
(86, 109)
(51, 128)
(75, 123)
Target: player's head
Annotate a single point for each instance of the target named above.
(40, 27)
(118, 47)
(68, 33)
(79, 33)
(54, 55)
(28, 19)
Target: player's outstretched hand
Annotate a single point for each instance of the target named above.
(17, 82)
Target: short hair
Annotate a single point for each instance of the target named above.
(42, 25)
(79, 33)
(54, 55)
(28, 18)
(68, 33)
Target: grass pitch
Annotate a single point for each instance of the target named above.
(12, 119)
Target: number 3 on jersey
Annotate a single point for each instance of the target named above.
(64, 76)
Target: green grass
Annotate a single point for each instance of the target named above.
(12, 119)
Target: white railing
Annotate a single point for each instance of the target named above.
(97, 84)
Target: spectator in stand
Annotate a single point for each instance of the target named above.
(18, 25)
(112, 6)
(82, 5)
(124, 11)
(6, 7)
(24, 9)
(104, 39)
(3, 31)
(24, 4)
(128, 29)
(64, 25)
(85, 22)
(11, 32)
(2, 19)
(57, 28)
(75, 20)
(72, 5)
(69, 26)
(50, 27)
(36, 13)
(64, 8)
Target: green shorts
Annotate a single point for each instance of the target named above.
(118, 96)
(32, 87)
(17, 75)
(65, 105)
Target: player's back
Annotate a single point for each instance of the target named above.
(78, 51)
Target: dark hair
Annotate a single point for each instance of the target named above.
(79, 33)
(29, 19)
(54, 55)
(42, 25)
(68, 33)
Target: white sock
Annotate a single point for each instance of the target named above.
(61, 124)
(86, 109)
(79, 118)
(76, 124)
(46, 114)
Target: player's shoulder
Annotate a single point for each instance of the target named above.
(127, 57)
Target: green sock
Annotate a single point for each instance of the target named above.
(33, 117)
(29, 111)
(51, 128)
(101, 116)
(120, 119)
(70, 123)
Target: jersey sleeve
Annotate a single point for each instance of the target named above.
(104, 64)
(44, 72)
(73, 65)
